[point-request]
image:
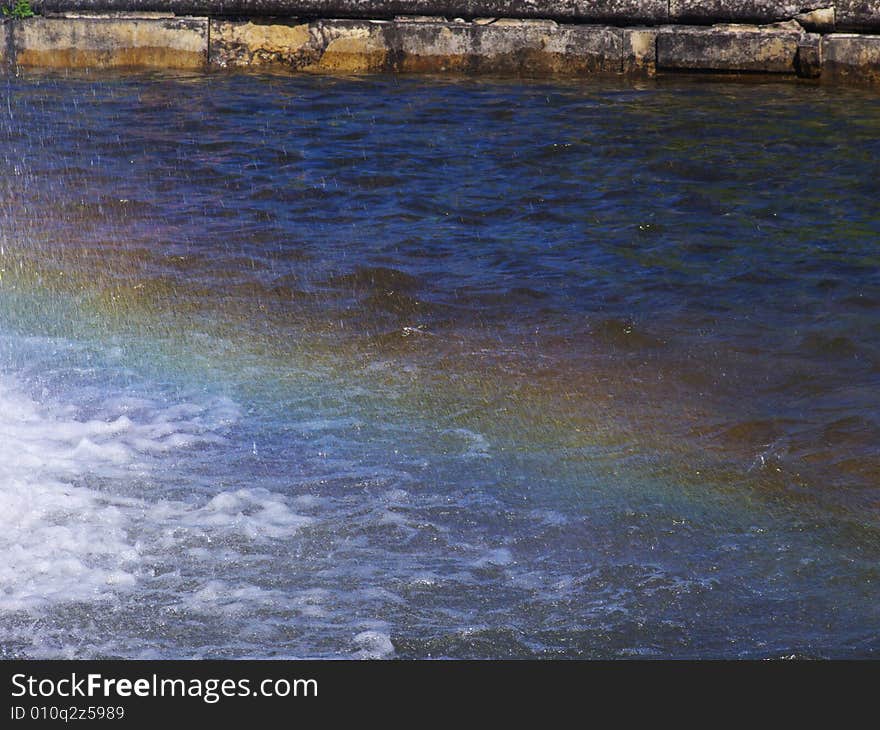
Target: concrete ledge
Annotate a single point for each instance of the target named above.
(741, 48)
(519, 48)
(432, 46)
(347, 46)
(180, 43)
(435, 45)
(851, 58)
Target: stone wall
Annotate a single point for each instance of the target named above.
(805, 44)
(849, 15)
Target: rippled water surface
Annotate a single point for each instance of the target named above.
(315, 367)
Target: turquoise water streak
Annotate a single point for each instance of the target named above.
(312, 367)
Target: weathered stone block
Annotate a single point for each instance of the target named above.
(343, 46)
(733, 11)
(809, 56)
(821, 20)
(430, 46)
(764, 49)
(434, 47)
(860, 15)
(526, 47)
(352, 47)
(256, 43)
(111, 42)
(566, 49)
(851, 58)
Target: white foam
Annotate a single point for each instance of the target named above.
(219, 597)
(61, 537)
(374, 645)
(255, 514)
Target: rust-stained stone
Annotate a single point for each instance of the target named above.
(527, 47)
(350, 46)
(851, 58)
(731, 48)
(111, 42)
(433, 47)
(639, 50)
(343, 46)
(258, 43)
(354, 47)
(490, 45)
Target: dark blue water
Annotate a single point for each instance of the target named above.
(428, 368)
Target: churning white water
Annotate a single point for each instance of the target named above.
(97, 490)
(64, 534)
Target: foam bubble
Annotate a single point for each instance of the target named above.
(256, 514)
(374, 645)
(220, 597)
